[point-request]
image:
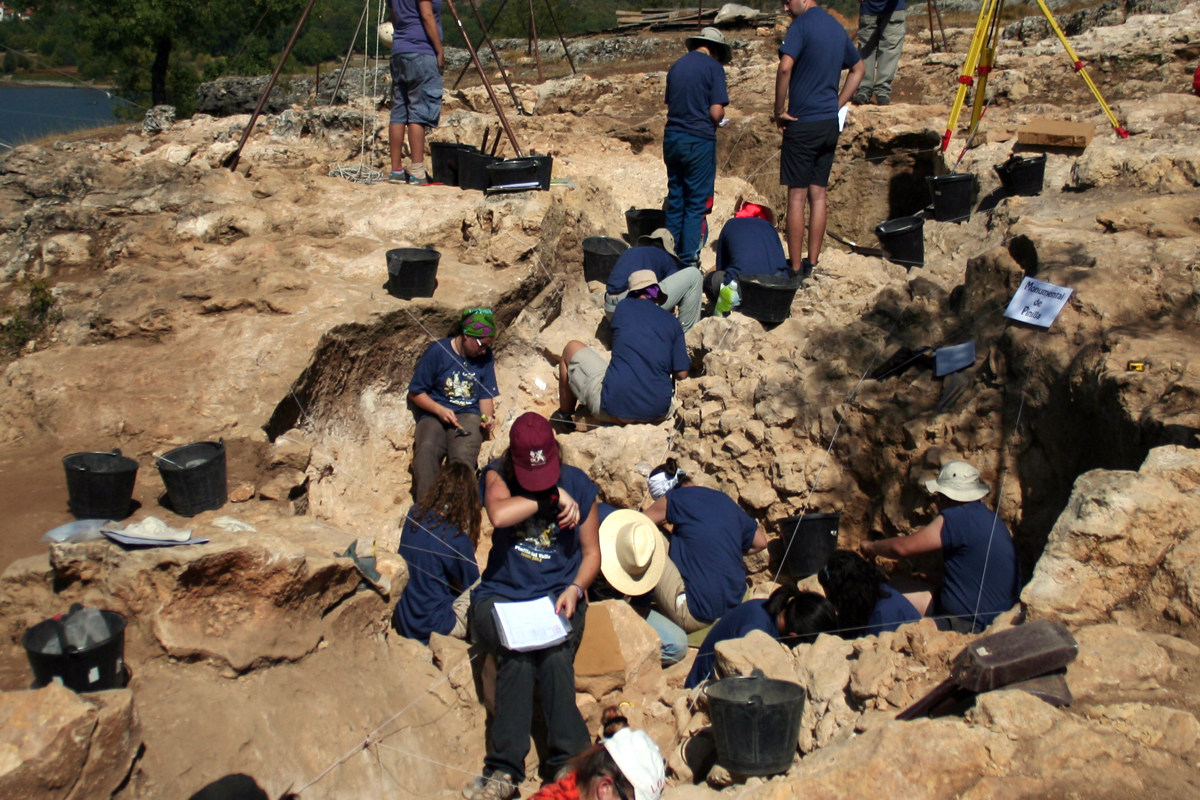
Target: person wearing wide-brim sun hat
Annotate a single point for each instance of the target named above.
(696, 98)
(982, 574)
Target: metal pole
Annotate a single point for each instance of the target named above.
(486, 30)
(496, 57)
(537, 53)
(486, 83)
(563, 41)
(349, 52)
(231, 160)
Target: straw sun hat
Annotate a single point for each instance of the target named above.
(959, 481)
(633, 551)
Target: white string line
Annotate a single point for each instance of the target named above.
(372, 737)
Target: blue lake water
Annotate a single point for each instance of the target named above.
(29, 112)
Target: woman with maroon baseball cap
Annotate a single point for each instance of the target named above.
(545, 544)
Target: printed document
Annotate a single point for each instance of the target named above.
(530, 625)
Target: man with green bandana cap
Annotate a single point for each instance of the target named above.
(452, 392)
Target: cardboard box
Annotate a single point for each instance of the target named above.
(1054, 133)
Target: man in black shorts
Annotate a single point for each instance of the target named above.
(814, 52)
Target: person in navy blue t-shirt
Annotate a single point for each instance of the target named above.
(866, 604)
(982, 574)
(705, 576)
(789, 615)
(438, 544)
(656, 252)
(648, 355)
(452, 391)
(545, 543)
(696, 98)
(814, 52)
(748, 245)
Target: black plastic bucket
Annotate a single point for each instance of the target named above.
(513, 172)
(756, 723)
(1022, 174)
(644, 221)
(472, 169)
(952, 195)
(811, 540)
(600, 253)
(545, 169)
(767, 298)
(100, 485)
(903, 240)
(444, 156)
(412, 272)
(100, 666)
(195, 477)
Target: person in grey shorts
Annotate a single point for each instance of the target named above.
(417, 64)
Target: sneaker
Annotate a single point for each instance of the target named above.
(495, 786)
(882, 100)
(398, 176)
(413, 180)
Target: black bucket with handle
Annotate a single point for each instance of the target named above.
(811, 540)
(600, 254)
(195, 477)
(100, 485)
(98, 664)
(1022, 175)
(756, 722)
(412, 272)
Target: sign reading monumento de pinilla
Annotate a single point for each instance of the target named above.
(1037, 302)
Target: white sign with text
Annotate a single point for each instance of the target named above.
(1037, 302)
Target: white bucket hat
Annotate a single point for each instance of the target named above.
(959, 481)
(714, 40)
(633, 551)
(639, 760)
(660, 237)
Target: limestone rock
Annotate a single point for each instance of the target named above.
(1112, 656)
(619, 651)
(756, 650)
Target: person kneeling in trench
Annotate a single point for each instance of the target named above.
(545, 544)
(648, 355)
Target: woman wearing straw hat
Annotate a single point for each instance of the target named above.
(982, 575)
(696, 99)
(633, 554)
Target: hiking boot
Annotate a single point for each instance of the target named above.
(882, 100)
(494, 786)
(398, 176)
(861, 99)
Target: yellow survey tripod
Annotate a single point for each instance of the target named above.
(982, 55)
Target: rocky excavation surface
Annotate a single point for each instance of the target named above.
(192, 303)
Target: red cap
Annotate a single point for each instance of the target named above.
(534, 452)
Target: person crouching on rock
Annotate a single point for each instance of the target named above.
(545, 544)
(625, 766)
(438, 544)
(452, 391)
(705, 574)
(982, 575)
(648, 356)
(789, 615)
(866, 603)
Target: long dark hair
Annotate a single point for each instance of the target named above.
(455, 497)
(595, 763)
(806, 615)
(853, 586)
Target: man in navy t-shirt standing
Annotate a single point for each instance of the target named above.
(814, 52)
(880, 38)
(696, 100)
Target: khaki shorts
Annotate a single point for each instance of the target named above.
(585, 376)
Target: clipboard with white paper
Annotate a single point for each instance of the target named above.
(530, 624)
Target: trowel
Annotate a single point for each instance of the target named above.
(855, 247)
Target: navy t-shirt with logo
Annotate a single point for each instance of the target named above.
(454, 381)
(648, 348)
(822, 49)
(710, 533)
(695, 83)
(535, 558)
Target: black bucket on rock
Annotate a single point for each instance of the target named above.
(644, 221)
(513, 172)
(473, 169)
(412, 272)
(1022, 175)
(767, 298)
(811, 540)
(195, 477)
(56, 655)
(756, 722)
(444, 157)
(545, 169)
(100, 485)
(952, 195)
(600, 254)
(903, 240)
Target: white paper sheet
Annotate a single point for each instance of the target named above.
(530, 625)
(843, 112)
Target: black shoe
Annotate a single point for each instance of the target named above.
(861, 99)
(882, 100)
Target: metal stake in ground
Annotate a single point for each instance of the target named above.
(483, 76)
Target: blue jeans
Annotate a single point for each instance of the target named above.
(674, 640)
(691, 172)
